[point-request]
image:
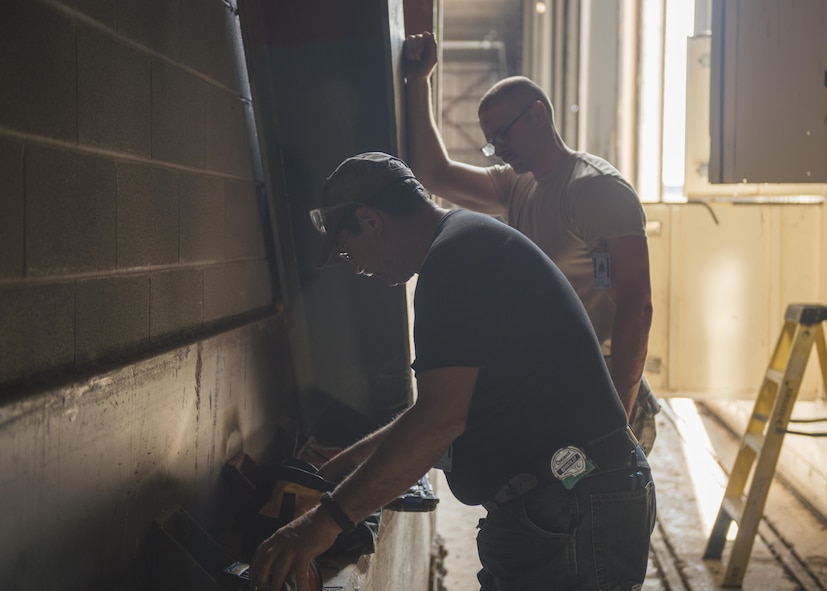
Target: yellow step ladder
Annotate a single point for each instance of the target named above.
(761, 444)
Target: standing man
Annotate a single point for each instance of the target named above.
(509, 376)
(575, 206)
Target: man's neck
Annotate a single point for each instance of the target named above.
(420, 234)
(556, 153)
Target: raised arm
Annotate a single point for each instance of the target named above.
(462, 184)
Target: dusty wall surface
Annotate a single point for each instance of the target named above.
(140, 346)
(86, 467)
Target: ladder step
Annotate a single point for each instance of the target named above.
(734, 507)
(754, 441)
(759, 450)
(806, 313)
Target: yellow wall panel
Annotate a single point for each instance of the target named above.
(722, 277)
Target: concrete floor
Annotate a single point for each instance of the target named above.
(691, 455)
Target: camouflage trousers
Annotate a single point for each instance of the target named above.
(642, 420)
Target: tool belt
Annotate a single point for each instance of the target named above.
(617, 447)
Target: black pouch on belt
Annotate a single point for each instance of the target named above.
(614, 448)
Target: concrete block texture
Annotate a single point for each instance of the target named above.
(236, 289)
(114, 94)
(176, 303)
(147, 215)
(226, 141)
(201, 202)
(36, 329)
(243, 222)
(178, 116)
(206, 42)
(38, 94)
(103, 11)
(125, 178)
(155, 24)
(11, 209)
(70, 212)
(112, 318)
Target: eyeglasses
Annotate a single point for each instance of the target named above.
(322, 214)
(501, 136)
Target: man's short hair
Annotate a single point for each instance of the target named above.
(516, 87)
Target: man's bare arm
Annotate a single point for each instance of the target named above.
(343, 463)
(406, 449)
(414, 443)
(631, 291)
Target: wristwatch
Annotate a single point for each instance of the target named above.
(336, 513)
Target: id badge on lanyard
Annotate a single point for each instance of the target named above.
(602, 270)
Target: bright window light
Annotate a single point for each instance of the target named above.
(706, 477)
(680, 16)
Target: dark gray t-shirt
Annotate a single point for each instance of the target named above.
(488, 297)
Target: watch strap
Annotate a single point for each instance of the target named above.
(336, 513)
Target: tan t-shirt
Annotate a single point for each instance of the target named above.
(569, 214)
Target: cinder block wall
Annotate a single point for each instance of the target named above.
(129, 215)
(141, 342)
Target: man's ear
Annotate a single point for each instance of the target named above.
(538, 111)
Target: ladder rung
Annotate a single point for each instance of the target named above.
(734, 507)
(806, 313)
(754, 442)
(775, 375)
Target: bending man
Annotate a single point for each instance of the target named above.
(509, 375)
